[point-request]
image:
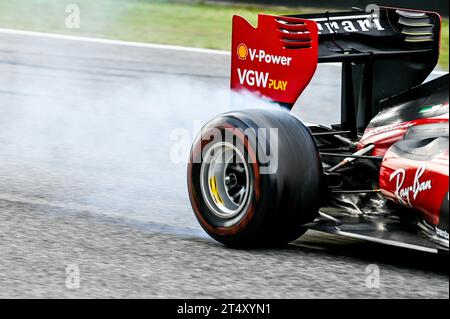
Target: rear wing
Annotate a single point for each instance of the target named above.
(383, 52)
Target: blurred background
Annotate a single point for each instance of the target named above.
(197, 23)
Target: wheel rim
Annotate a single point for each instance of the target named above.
(225, 180)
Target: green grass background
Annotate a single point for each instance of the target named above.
(190, 23)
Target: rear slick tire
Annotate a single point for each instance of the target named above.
(234, 201)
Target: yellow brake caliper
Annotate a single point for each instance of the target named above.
(214, 190)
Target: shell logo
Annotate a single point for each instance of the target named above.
(242, 51)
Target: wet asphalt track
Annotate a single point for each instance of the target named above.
(87, 131)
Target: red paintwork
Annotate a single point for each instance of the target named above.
(384, 136)
(401, 178)
(286, 79)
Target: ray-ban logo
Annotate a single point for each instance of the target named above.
(409, 193)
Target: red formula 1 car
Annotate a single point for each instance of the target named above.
(262, 177)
